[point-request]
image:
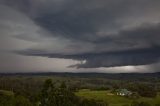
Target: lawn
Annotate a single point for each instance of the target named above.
(7, 93)
(112, 99)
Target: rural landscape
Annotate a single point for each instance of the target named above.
(79, 89)
(79, 52)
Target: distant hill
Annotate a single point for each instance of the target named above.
(117, 76)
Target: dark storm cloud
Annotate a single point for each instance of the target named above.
(80, 19)
(83, 20)
(146, 50)
(106, 59)
(22, 5)
(109, 33)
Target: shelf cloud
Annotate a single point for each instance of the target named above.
(88, 34)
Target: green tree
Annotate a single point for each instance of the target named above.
(47, 96)
(136, 103)
(21, 101)
(62, 96)
(147, 91)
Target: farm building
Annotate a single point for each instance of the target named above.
(123, 92)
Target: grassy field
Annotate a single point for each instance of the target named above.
(7, 93)
(112, 99)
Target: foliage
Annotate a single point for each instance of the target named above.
(62, 96)
(135, 103)
(11, 100)
(29, 90)
(147, 91)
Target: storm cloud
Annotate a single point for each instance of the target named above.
(95, 34)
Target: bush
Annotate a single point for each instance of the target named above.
(62, 96)
(157, 104)
(135, 103)
(147, 91)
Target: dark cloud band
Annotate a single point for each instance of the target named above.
(107, 59)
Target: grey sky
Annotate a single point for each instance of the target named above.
(79, 36)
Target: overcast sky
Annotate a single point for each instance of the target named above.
(80, 36)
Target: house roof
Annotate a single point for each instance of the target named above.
(125, 91)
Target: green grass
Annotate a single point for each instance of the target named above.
(113, 100)
(6, 93)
